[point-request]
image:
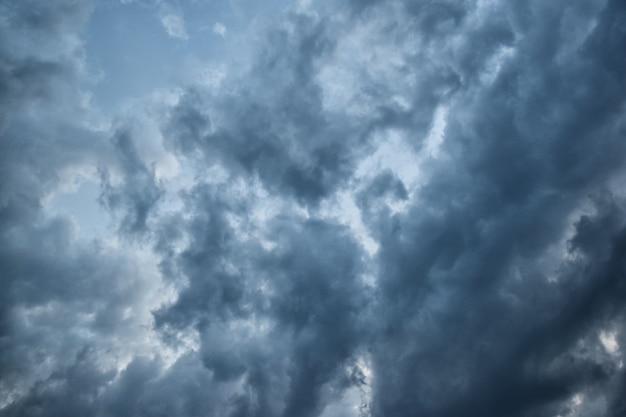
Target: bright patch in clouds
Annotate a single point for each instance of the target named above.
(609, 342)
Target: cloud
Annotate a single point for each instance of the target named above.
(174, 25)
(219, 29)
(478, 147)
(487, 219)
(269, 132)
(139, 192)
(51, 309)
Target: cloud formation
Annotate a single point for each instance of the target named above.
(174, 25)
(386, 209)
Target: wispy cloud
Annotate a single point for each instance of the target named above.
(174, 24)
(219, 29)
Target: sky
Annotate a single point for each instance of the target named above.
(312, 208)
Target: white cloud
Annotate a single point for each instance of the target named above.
(219, 29)
(609, 342)
(174, 24)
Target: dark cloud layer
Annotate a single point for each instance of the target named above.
(235, 286)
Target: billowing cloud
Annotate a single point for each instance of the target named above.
(382, 209)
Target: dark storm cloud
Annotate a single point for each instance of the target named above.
(306, 291)
(463, 336)
(320, 298)
(139, 191)
(494, 281)
(215, 288)
(273, 124)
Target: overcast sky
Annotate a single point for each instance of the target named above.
(359, 208)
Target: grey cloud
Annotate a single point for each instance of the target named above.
(69, 391)
(57, 298)
(306, 290)
(28, 74)
(185, 389)
(322, 300)
(207, 263)
(493, 282)
(522, 163)
(274, 125)
(60, 294)
(29, 162)
(32, 84)
(139, 192)
(383, 188)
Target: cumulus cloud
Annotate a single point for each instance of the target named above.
(393, 209)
